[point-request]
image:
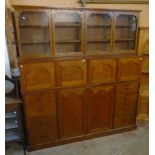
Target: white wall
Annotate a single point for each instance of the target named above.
(7, 62)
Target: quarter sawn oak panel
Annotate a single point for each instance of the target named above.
(71, 113)
(129, 69)
(36, 76)
(71, 73)
(100, 108)
(102, 70)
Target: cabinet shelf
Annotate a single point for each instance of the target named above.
(123, 26)
(34, 26)
(122, 40)
(67, 25)
(67, 41)
(99, 40)
(27, 43)
(105, 26)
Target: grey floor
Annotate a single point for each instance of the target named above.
(129, 143)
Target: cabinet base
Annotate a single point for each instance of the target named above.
(79, 138)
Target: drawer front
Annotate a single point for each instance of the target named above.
(71, 73)
(129, 69)
(102, 70)
(40, 104)
(41, 129)
(124, 109)
(124, 121)
(126, 93)
(36, 76)
(45, 136)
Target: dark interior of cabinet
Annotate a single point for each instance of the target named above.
(34, 33)
(98, 32)
(125, 32)
(68, 33)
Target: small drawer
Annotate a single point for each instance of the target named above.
(40, 104)
(43, 136)
(128, 88)
(124, 121)
(126, 108)
(11, 124)
(41, 123)
(123, 98)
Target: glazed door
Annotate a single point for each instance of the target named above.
(36, 76)
(71, 109)
(102, 70)
(129, 69)
(71, 73)
(100, 108)
(98, 32)
(68, 32)
(34, 33)
(125, 33)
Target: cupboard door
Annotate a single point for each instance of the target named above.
(36, 76)
(98, 32)
(129, 69)
(71, 73)
(68, 32)
(71, 113)
(100, 108)
(125, 33)
(102, 70)
(34, 29)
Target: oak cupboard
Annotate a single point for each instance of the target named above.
(80, 72)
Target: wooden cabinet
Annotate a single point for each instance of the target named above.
(71, 73)
(79, 72)
(129, 69)
(36, 76)
(72, 111)
(102, 70)
(100, 108)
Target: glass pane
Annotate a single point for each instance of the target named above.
(67, 32)
(98, 33)
(34, 34)
(125, 32)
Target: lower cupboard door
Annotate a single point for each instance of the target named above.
(71, 113)
(100, 108)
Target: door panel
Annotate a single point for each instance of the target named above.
(129, 69)
(71, 113)
(71, 73)
(100, 108)
(102, 70)
(36, 76)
